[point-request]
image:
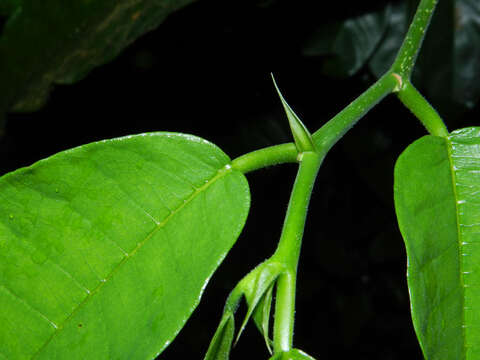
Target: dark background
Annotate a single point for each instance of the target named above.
(205, 71)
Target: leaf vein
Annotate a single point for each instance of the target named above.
(219, 174)
(31, 307)
(460, 251)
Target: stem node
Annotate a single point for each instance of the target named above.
(400, 82)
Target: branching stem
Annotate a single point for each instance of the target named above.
(407, 55)
(327, 135)
(397, 79)
(422, 109)
(333, 130)
(288, 250)
(272, 155)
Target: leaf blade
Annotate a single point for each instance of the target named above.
(221, 343)
(433, 186)
(148, 235)
(261, 317)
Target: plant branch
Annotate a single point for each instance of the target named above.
(288, 250)
(272, 155)
(335, 128)
(422, 109)
(397, 79)
(407, 55)
(327, 135)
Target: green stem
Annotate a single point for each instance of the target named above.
(284, 312)
(397, 79)
(422, 109)
(288, 250)
(412, 43)
(333, 130)
(273, 155)
(327, 135)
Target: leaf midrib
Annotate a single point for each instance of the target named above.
(219, 174)
(459, 242)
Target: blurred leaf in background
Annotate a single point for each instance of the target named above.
(467, 52)
(348, 44)
(449, 62)
(53, 41)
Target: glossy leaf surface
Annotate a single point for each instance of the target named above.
(56, 41)
(437, 187)
(105, 249)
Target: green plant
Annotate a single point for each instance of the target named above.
(84, 228)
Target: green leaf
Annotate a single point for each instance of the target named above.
(437, 182)
(219, 348)
(105, 249)
(221, 343)
(302, 137)
(254, 287)
(261, 316)
(56, 41)
(349, 43)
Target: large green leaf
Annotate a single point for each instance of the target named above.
(437, 187)
(105, 249)
(56, 41)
